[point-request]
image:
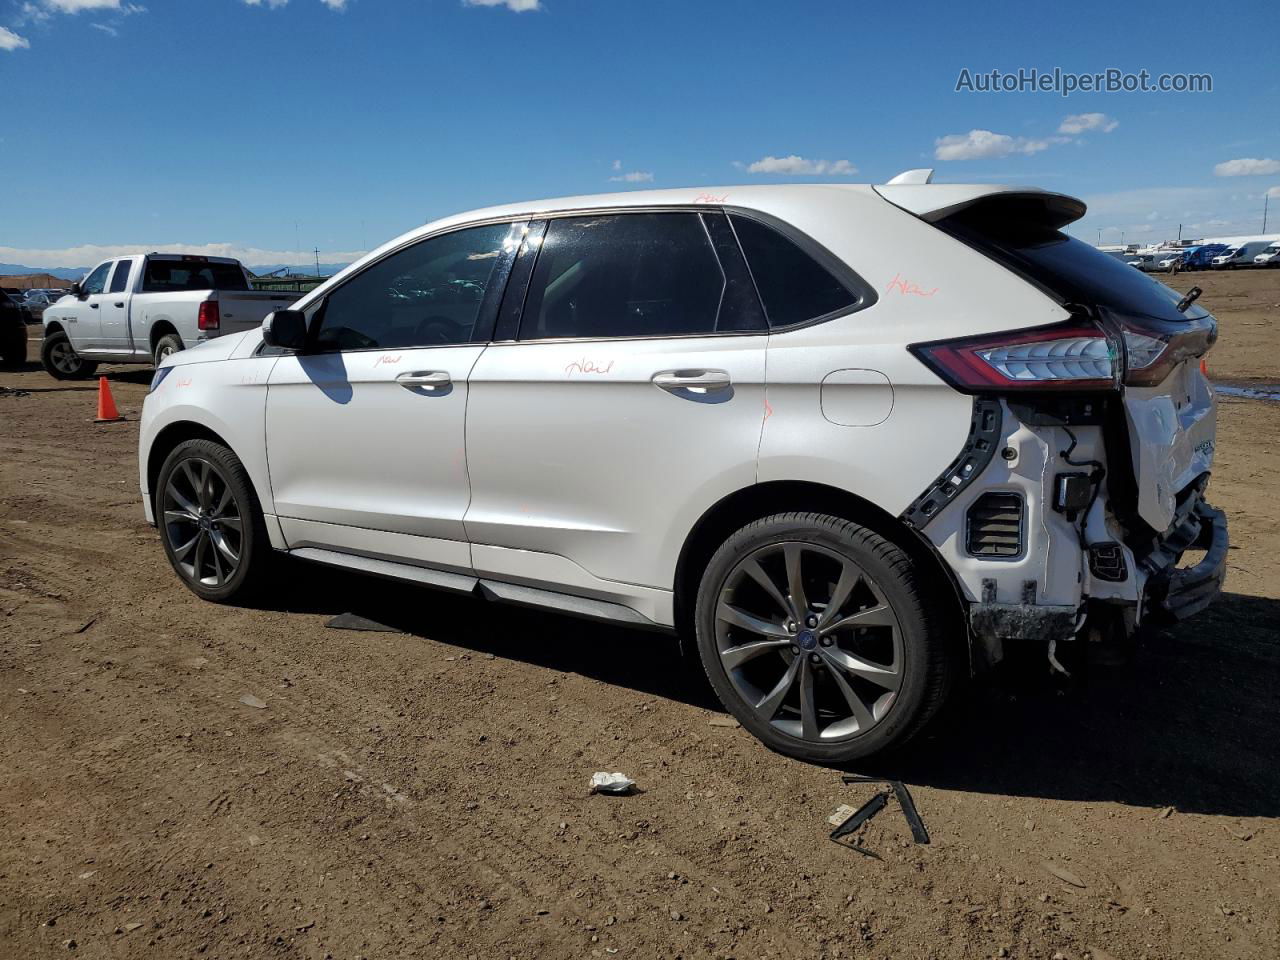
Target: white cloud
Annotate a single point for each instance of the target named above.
(106, 28)
(515, 6)
(1081, 122)
(800, 166)
(88, 255)
(1274, 193)
(632, 176)
(273, 4)
(977, 144)
(77, 6)
(1247, 167)
(11, 41)
(335, 5)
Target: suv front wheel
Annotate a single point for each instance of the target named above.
(210, 522)
(815, 634)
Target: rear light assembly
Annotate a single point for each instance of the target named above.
(1076, 355)
(208, 318)
(1069, 356)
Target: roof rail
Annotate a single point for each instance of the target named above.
(920, 175)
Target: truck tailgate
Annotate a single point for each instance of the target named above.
(241, 310)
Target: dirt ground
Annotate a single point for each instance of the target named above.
(424, 793)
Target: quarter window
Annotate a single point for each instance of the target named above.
(793, 286)
(120, 279)
(427, 295)
(630, 275)
(96, 281)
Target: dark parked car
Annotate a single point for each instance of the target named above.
(13, 332)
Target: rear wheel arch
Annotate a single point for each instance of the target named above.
(749, 504)
(161, 328)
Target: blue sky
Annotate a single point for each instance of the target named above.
(268, 127)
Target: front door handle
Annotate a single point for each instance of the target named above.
(697, 381)
(120, 303)
(424, 379)
(93, 306)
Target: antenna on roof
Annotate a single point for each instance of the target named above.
(920, 175)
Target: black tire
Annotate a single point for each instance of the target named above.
(201, 563)
(13, 345)
(61, 362)
(919, 672)
(169, 343)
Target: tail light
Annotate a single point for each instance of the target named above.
(1153, 348)
(208, 318)
(1140, 352)
(1069, 356)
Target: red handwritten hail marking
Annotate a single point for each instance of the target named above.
(768, 410)
(587, 366)
(388, 358)
(185, 383)
(905, 287)
(710, 198)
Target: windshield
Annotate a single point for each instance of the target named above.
(1070, 269)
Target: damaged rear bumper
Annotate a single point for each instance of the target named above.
(1177, 593)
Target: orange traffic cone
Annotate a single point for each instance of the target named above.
(107, 412)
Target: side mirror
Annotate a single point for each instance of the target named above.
(76, 290)
(285, 328)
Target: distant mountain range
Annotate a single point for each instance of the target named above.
(76, 273)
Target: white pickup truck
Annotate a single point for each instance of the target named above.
(140, 309)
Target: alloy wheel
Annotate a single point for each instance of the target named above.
(809, 642)
(64, 358)
(203, 523)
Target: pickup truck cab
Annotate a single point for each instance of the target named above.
(140, 309)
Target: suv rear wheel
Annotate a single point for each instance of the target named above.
(210, 522)
(815, 634)
(60, 359)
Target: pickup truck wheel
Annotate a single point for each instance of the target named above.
(210, 522)
(815, 634)
(169, 343)
(61, 361)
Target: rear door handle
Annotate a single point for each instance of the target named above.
(424, 379)
(93, 306)
(120, 303)
(698, 381)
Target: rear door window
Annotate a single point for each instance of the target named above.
(120, 279)
(794, 287)
(637, 275)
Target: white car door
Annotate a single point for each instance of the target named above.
(115, 309)
(365, 429)
(82, 315)
(629, 401)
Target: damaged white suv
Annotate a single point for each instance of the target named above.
(858, 440)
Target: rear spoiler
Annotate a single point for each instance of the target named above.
(935, 201)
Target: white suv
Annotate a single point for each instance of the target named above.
(858, 440)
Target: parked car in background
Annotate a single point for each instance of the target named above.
(141, 309)
(852, 439)
(13, 332)
(38, 300)
(1270, 257)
